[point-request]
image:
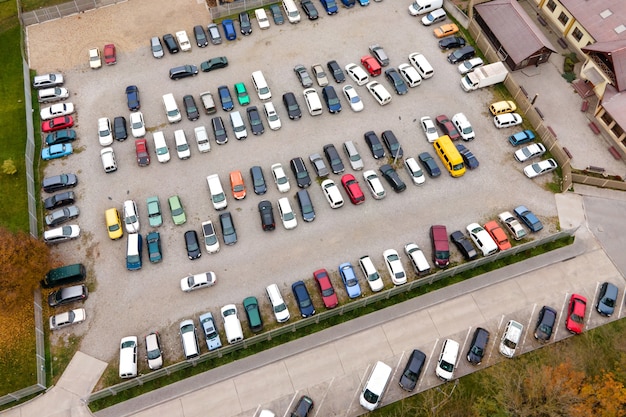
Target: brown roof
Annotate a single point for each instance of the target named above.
(614, 103)
(515, 30)
(590, 15)
(617, 51)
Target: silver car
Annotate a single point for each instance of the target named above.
(154, 354)
(62, 215)
(353, 155)
(209, 330)
(156, 47)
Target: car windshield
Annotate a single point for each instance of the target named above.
(576, 318)
(370, 397)
(154, 354)
(446, 366)
(410, 375)
(509, 343)
(328, 292)
(544, 328)
(477, 351)
(288, 216)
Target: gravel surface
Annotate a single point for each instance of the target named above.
(125, 303)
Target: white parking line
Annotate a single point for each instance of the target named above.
(563, 307)
(465, 342)
(319, 403)
(358, 391)
(427, 365)
(530, 320)
(295, 395)
(621, 305)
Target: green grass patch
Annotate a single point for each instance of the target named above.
(29, 5)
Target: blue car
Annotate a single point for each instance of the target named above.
(225, 98)
(56, 151)
(330, 6)
(305, 304)
(132, 98)
(331, 99)
(349, 280)
(529, 218)
(154, 246)
(521, 137)
(348, 3)
(61, 136)
(364, 2)
(229, 29)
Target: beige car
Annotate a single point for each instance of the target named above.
(95, 61)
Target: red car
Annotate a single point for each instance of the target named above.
(109, 54)
(576, 314)
(447, 127)
(326, 288)
(57, 123)
(353, 189)
(371, 65)
(498, 235)
(141, 147)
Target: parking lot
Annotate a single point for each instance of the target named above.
(126, 303)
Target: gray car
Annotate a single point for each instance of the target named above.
(156, 47)
(62, 215)
(209, 330)
(67, 295)
(319, 165)
(303, 76)
(214, 34)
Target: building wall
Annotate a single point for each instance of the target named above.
(562, 20)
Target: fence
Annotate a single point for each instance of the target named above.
(62, 10)
(228, 9)
(325, 315)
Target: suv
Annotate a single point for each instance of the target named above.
(374, 144)
(59, 182)
(300, 172)
(183, 71)
(200, 35)
(392, 144)
(477, 346)
(67, 295)
(336, 165)
(393, 178)
(293, 108)
(447, 360)
(267, 216)
(190, 108)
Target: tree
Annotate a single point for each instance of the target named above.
(602, 397)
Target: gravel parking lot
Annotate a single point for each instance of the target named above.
(125, 303)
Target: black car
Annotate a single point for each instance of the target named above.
(469, 158)
(300, 172)
(477, 346)
(200, 35)
(190, 107)
(462, 54)
(219, 130)
(214, 63)
(393, 178)
(244, 23)
(545, 324)
(59, 182)
(412, 370)
(374, 144)
(330, 98)
(258, 180)
(303, 407)
(463, 244)
(59, 200)
(193, 247)
(451, 42)
(225, 98)
(396, 81)
(336, 165)
(119, 128)
(67, 295)
(336, 71)
(306, 205)
(132, 98)
(183, 71)
(607, 298)
(254, 117)
(303, 299)
(170, 43)
(267, 216)
(309, 9)
(392, 144)
(277, 14)
(429, 164)
(229, 233)
(293, 108)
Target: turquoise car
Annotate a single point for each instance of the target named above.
(242, 95)
(154, 247)
(154, 211)
(56, 151)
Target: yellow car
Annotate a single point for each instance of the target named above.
(446, 30)
(114, 223)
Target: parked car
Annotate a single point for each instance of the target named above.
(219, 131)
(154, 353)
(430, 165)
(358, 75)
(332, 194)
(482, 239)
(371, 65)
(153, 241)
(351, 185)
(374, 184)
(336, 70)
(528, 218)
(392, 144)
(464, 245)
(529, 152)
(176, 208)
(505, 120)
(61, 136)
(447, 360)
(59, 200)
(132, 98)
(253, 314)
(56, 151)
(193, 252)
(329, 297)
(478, 346)
(209, 330)
(470, 65)
(463, 126)
(254, 118)
(190, 107)
(229, 233)
(511, 338)
(349, 279)
(330, 98)
(447, 127)
(330, 6)
(309, 9)
(393, 178)
(57, 123)
(607, 299)
(61, 234)
(273, 120)
(277, 14)
(225, 98)
(303, 76)
(214, 34)
(451, 42)
(137, 125)
(267, 216)
(320, 75)
(67, 318)
(300, 172)
(448, 29)
(154, 211)
(56, 110)
(319, 165)
(170, 43)
(293, 108)
(410, 75)
(302, 407)
(211, 244)
(379, 53)
(95, 61)
(303, 299)
(498, 235)
(333, 158)
(394, 266)
(287, 215)
(61, 215)
(575, 320)
(513, 226)
(258, 180)
(67, 295)
(412, 370)
(280, 178)
(306, 205)
(545, 324)
(183, 41)
(214, 63)
(414, 171)
(353, 98)
(48, 80)
(183, 71)
(429, 129)
(376, 147)
(119, 128)
(540, 168)
(396, 81)
(469, 159)
(59, 182)
(462, 54)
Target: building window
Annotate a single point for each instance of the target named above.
(577, 34)
(551, 5)
(563, 18)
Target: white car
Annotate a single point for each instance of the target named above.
(529, 152)
(332, 194)
(137, 125)
(154, 354)
(482, 239)
(374, 184)
(394, 266)
(68, 318)
(182, 147)
(273, 120)
(287, 215)
(183, 41)
(95, 61)
(511, 338)
(371, 274)
(356, 104)
(197, 281)
(447, 360)
(540, 168)
(56, 110)
(515, 228)
(131, 217)
(357, 73)
(105, 134)
(202, 139)
(282, 182)
(470, 65)
(379, 92)
(507, 120)
(261, 18)
(428, 126)
(61, 234)
(463, 126)
(410, 74)
(211, 243)
(414, 170)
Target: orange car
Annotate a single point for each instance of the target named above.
(446, 30)
(237, 185)
(498, 235)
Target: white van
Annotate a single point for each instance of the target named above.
(202, 139)
(49, 95)
(418, 259)
(171, 109)
(424, 6)
(238, 125)
(421, 64)
(313, 102)
(433, 17)
(374, 388)
(379, 92)
(182, 147)
(217, 192)
(160, 147)
(128, 357)
(232, 325)
(108, 159)
(133, 251)
(188, 339)
(278, 304)
(260, 85)
(293, 15)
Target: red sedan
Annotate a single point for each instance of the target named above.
(57, 123)
(576, 314)
(110, 57)
(353, 189)
(326, 288)
(447, 127)
(141, 148)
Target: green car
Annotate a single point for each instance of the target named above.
(154, 211)
(176, 207)
(251, 306)
(153, 240)
(242, 94)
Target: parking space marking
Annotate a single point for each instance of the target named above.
(355, 397)
(318, 405)
(621, 304)
(467, 335)
(427, 366)
(530, 321)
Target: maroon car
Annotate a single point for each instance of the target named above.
(447, 127)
